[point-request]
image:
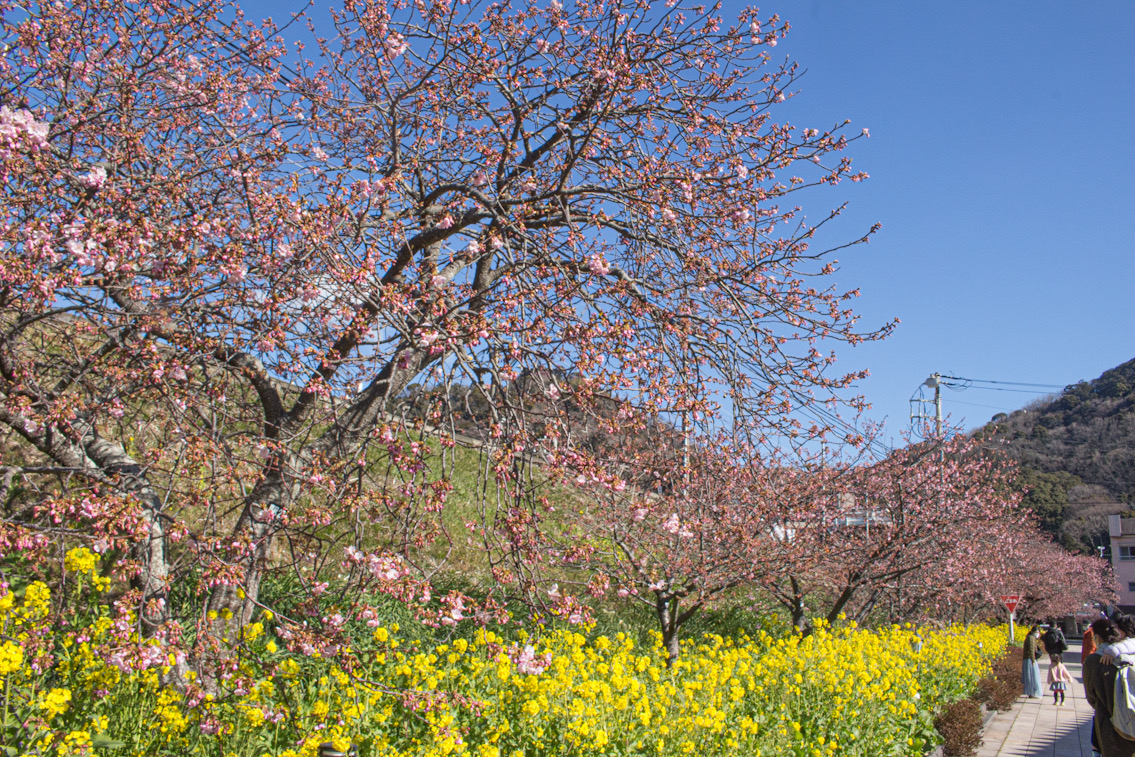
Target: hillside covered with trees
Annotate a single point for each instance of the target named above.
(1077, 452)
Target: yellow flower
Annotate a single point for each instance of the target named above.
(77, 742)
(55, 702)
(80, 560)
(11, 658)
(37, 600)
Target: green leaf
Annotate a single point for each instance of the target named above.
(102, 741)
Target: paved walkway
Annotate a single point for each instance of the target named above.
(1037, 728)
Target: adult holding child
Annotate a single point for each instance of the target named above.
(1099, 688)
(1120, 652)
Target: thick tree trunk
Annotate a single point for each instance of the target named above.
(667, 612)
(99, 458)
(841, 602)
(671, 622)
(150, 553)
(259, 521)
(241, 600)
(673, 649)
(799, 620)
(280, 486)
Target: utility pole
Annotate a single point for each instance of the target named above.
(935, 381)
(917, 404)
(918, 412)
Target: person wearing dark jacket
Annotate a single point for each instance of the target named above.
(1099, 688)
(1030, 670)
(1054, 641)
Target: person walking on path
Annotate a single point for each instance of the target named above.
(1054, 641)
(1099, 689)
(1087, 644)
(1058, 679)
(1030, 670)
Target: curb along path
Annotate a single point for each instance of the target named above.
(1037, 728)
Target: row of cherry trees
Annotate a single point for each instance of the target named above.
(929, 531)
(224, 258)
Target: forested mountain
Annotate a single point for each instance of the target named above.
(1077, 451)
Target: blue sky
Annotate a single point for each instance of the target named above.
(1002, 163)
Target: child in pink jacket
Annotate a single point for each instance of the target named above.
(1058, 679)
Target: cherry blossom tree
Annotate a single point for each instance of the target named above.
(138, 212)
(1053, 582)
(966, 585)
(892, 533)
(225, 259)
(672, 526)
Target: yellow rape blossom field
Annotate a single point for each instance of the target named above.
(838, 691)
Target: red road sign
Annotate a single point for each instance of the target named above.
(1011, 601)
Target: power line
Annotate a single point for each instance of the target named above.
(961, 384)
(991, 407)
(994, 389)
(1006, 383)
